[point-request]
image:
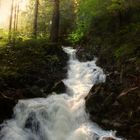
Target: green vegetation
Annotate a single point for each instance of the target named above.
(30, 58)
(3, 38)
(109, 29)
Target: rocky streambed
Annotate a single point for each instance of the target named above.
(115, 104)
(40, 72)
(117, 110)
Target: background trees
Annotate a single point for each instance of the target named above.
(67, 20)
(39, 19)
(35, 18)
(54, 34)
(11, 20)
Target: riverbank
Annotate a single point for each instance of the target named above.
(115, 104)
(31, 69)
(113, 37)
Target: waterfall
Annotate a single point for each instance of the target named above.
(63, 116)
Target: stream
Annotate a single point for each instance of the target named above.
(63, 116)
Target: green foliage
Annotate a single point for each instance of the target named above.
(67, 17)
(87, 11)
(27, 57)
(116, 5)
(111, 30)
(3, 37)
(75, 37)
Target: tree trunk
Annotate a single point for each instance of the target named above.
(11, 19)
(17, 15)
(15, 22)
(54, 34)
(35, 18)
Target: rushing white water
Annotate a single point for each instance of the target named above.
(59, 117)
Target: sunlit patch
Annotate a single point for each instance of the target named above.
(5, 10)
(23, 4)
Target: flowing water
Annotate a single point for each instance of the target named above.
(59, 117)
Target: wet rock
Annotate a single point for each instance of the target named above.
(6, 108)
(84, 55)
(130, 98)
(2, 83)
(94, 99)
(47, 89)
(33, 92)
(135, 131)
(41, 83)
(59, 87)
(115, 110)
(109, 100)
(96, 136)
(136, 114)
(32, 123)
(108, 138)
(99, 99)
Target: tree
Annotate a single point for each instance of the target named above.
(15, 22)
(54, 34)
(35, 18)
(16, 16)
(11, 19)
(68, 18)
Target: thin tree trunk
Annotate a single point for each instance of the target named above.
(15, 21)
(54, 34)
(35, 18)
(16, 26)
(11, 19)
(15, 16)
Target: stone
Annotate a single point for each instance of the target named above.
(6, 108)
(99, 99)
(32, 123)
(33, 92)
(59, 87)
(41, 83)
(129, 98)
(135, 130)
(108, 138)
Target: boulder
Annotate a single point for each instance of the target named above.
(33, 92)
(94, 99)
(59, 87)
(108, 138)
(115, 110)
(130, 98)
(135, 130)
(32, 123)
(84, 55)
(41, 83)
(6, 108)
(99, 99)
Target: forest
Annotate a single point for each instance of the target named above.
(33, 63)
